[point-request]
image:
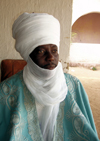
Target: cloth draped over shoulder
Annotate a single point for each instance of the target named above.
(19, 120)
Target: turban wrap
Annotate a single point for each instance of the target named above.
(32, 30)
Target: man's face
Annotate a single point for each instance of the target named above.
(45, 56)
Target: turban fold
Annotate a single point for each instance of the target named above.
(33, 30)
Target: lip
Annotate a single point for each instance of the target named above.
(50, 66)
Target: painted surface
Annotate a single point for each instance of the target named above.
(85, 45)
(85, 23)
(87, 29)
(10, 10)
(85, 54)
(82, 7)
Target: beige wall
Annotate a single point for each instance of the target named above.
(11, 9)
(85, 47)
(82, 7)
(87, 29)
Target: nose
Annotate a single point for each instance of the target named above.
(50, 57)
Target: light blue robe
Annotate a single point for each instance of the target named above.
(19, 120)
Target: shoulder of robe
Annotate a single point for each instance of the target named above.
(74, 85)
(71, 79)
(11, 83)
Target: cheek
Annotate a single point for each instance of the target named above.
(39, 61)
(57, 58)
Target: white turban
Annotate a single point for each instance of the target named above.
(33, 30)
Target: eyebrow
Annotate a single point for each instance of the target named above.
(53, 46)
(39, 47)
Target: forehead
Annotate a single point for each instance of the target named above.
(46, 47)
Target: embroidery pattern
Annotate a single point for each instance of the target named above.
(74, 114)
(59, 131)
(17, 124)
(9, 97)
(33, 123)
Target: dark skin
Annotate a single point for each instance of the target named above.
(45, 56)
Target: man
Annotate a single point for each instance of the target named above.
(41, 103)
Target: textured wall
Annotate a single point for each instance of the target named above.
(10, 10)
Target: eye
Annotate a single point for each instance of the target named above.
(54, 51)
(40, 51)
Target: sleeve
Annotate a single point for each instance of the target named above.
(83, 102)
(78, 111)
(4, 112)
